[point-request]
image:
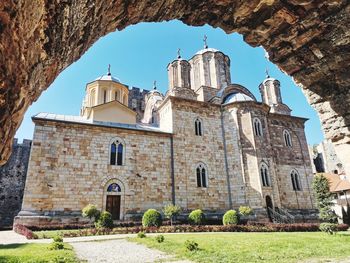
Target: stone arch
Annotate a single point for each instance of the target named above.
(306, 39)
(105, 184)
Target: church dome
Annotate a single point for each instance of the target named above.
(237, 96)
(108, 77)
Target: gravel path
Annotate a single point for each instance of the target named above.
(120, 250)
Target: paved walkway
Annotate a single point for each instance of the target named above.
(101, 249)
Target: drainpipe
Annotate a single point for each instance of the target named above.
(225, 156)
(172, 170)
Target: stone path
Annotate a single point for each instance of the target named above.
(119, 251)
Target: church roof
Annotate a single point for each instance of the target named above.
(200, 52)
(85, 121)
(108, 77)
(237, 96)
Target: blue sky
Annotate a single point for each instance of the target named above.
(139, 55)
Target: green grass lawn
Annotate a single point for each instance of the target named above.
(255, 247)
(35, 253)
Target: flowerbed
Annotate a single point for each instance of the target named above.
(269, 227)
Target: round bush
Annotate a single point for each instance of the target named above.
(191, 245)
(230, 218)
(57, 238)
(105, 220)
(196, 217)
(141, 234)
(91, 211)
(245, 210)
(160, 238)
(151, 218)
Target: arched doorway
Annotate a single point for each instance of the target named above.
(269, 206)
(113, 200)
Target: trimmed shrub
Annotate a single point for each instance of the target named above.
(329, 228)
(151, 218)
(196, 217)
(91, 211)
(170, 211)
(230, 218)
(141, 234)
(160, 238)
(245, 210)
(56, 246)
(104, 220)
(191, 245)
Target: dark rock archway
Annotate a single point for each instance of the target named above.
(309, 40)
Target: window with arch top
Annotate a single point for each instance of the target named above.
(201, 172)
(117, 152)
(295, 180)
(287, 138)
(198, 127)
(257, 127)
(264, 174)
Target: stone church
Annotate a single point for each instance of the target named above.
(207, 143)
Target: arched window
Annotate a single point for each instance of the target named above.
(287, 138)
(125, 100)
(264, 174)
(104, 96)
(295, 180)
(198, 127)
(201, 176)
(117, 152)
(116, 96)
(257, 127)
(114, 187)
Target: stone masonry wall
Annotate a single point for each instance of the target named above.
(69, 168)
(12, 181)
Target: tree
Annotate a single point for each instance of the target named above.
(91, 211)
(324, 197)
(170, 211)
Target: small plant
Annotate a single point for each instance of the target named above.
(160, 238)
(105, 220)
(152, 218)
(141, 234)
(230, 218)
(57, 238)
(196, 217)
(191, 245)
(329, 228)
(245, 210)
(170, 211)
(91, 212)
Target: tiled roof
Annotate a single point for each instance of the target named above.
(336, 184)
(82, 120)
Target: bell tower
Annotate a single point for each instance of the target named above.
(271, 95)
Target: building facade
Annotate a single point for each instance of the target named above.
(207, 143)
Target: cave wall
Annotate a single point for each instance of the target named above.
(309, 40)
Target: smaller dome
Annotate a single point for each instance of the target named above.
(237, 96)
(108, 77)
(200, 52)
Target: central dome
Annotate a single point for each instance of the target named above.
(237, 96)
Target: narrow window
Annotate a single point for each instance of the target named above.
(296, 184)
(264, 174)
(104, 96)
(198, 127)
(287, 138)
(113, 153)
(116, 95)
(120, 154)
(201, 176)
(257, 127)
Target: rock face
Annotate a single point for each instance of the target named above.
(12, 181)
(309, 40)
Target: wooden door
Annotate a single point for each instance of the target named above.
(113, 206)
(269, 205)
